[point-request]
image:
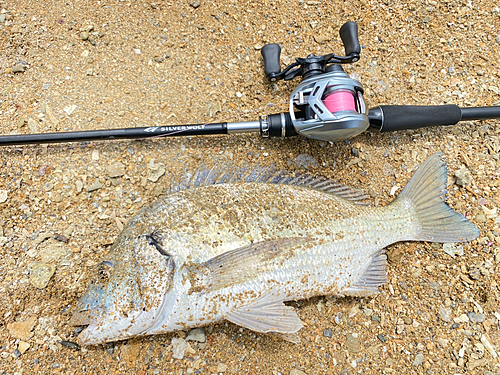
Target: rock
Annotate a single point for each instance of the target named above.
(40, 274)
(79, 186)
(52, 253)
(2, 18)
(195, 4)
(84, 35)
(95, 186)
(155, 171)
(497, 39)
(3, 196)
(442, 342)
(221, 367)
(419, 359)
(130, 353)
(462, 176)
(115, 170)
(69, 109)
(328, 333)
(305, 161)
(18, 68)
(382, 338)
(197, 334)
(22, 329)
(353, 344)
(444, 314)
(321, 39)
(297, 372)
(476, 318)
(23, 346)
(42, 237)
(453, 250)
(180, 347)
(480, 217)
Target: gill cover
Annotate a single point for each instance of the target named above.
(126, 291)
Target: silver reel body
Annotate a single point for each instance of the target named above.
(315, 116)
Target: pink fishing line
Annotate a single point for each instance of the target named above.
(340, 101)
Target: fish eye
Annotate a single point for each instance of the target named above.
(104, 270)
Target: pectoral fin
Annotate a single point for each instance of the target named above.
(268, 314)
(242, 264)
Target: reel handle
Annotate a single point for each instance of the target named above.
(349, 35)
(271, 55)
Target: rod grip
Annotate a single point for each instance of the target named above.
(349, 35)
(271, 55)
(402, 117)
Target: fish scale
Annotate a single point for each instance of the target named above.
(238, 250)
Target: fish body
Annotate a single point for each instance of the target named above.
(237, 251)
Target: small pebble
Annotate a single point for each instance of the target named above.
(328, 333)
(353, 344)
(455, 325)
(70, 345)
(453, 250)
(195, 4)
(462, 177)
(40, 274)
(197, 334)
(17, 353)
(419, 359)
(305, 161)
(2, 18)
(61, 238)
(23, 346)
(3, 196)
(95, 186)
(376, 318)
(476, 318)
(18, 68)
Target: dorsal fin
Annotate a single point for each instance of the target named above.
(223, 174)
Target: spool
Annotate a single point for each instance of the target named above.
(340, 100)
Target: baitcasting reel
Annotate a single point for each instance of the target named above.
(327, 105)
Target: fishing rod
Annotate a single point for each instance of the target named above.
(327, 105)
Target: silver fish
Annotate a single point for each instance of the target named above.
(237, 251)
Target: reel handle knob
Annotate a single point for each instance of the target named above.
(271, 54)
(349, 35)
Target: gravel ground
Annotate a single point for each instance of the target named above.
(109, 64)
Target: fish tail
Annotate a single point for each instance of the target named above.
(435, 220)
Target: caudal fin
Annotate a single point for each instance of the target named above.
(435, 220)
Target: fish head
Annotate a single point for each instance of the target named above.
(126, 290)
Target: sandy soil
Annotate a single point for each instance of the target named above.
(159, 62)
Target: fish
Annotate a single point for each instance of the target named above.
(236, 247)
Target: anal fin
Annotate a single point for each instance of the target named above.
(375, 276)
(268, 314)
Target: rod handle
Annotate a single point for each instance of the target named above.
(389, 118)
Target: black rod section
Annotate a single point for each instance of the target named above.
(480, 113)
(127, 133)
(387, 118)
